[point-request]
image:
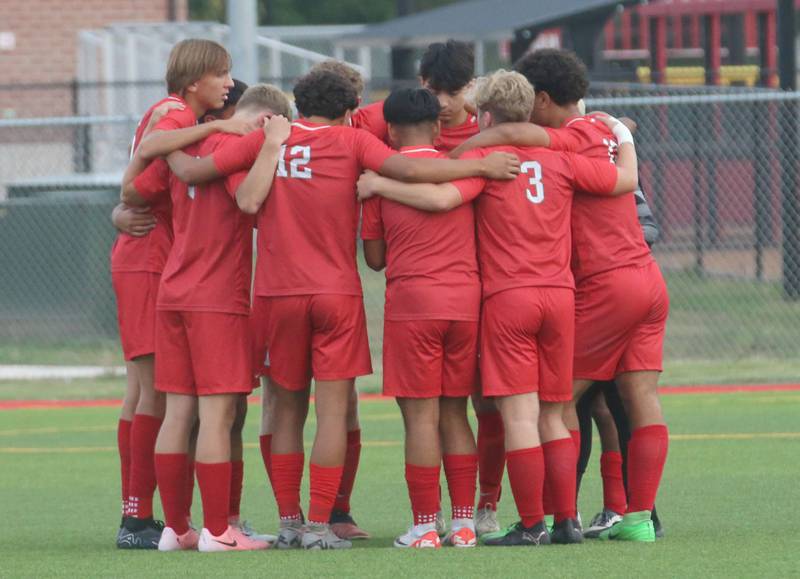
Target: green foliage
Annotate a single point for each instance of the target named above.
(289, 12)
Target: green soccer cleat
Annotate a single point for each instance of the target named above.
(636, 527)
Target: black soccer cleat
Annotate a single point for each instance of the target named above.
(519, 536)
(659, 528)
(566, 532)
(139, 533)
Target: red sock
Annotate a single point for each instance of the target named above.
(491, 458)
(265, 442)
(560, 466)
(124, 446)
(171, 471)
(237, 480)
(614, 498)
(287, 473)
(423, 490)
(647, 453)
(526, 475)
(325, 481)
(215, 491)
(576, 440)
(189, 492)
(351, 459)
(144, 431)
(461, 472)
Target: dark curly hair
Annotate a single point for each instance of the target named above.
(447, 66)
(559, 73)
(325, 94)
(411, 106)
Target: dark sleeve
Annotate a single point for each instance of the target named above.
(646, 218)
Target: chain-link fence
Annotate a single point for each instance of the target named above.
(719, 169)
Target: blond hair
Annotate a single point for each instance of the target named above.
(344, 70)
(262, 97)
(507, 95)
(192, 58)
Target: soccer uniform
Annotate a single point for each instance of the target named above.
(432, 295)
(621, 300)
(527, 322)
(308, 297)
(137, 262)
(202, 328)
(370, 118)
(451, 137)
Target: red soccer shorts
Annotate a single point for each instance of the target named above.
(203, 353)
(136, 311)
(527, 336)
(620, 320)
(429, 358)
(323, 335)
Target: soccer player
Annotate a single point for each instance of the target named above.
(527, 312)
(621, 300)
(430, 330)
(203, 337)
(602, 404)
(308, 293)
(197, 80)
(447, 70)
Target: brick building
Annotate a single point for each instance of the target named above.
(38, 46)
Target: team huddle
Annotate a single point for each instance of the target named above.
(517, 276)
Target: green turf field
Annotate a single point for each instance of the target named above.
(727, 500)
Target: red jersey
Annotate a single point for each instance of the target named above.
(432, 270)
(370, 118)
(210, 265)
(307, 227)
(605, 230)
(524, 224)
(452, 137)
(149, 253)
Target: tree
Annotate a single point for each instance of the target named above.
(287, 12)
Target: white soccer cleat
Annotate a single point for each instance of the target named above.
(290, 535)
(320, 537)
(441, 525)
(486, 521)
(231, 540)
(171, 541)
(419, 537)
(602, 521)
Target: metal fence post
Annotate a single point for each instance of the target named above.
(790, 255)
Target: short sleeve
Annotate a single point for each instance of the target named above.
(233, 182)
(370, 151)
(176, 119)
(370, 118)
(563, 139)
(371, 222)
(153, 181)
(471, 187)
(240, 154)
(592, 175)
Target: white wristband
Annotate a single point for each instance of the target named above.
(622, 133)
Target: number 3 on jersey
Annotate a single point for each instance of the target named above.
(300, 157)
(534, 170)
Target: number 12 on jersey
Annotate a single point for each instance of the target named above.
(300, 157)
(534, 171)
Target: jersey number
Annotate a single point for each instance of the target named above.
(534, 171)
(301, 155)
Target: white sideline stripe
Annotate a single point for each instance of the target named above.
(32, 372)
